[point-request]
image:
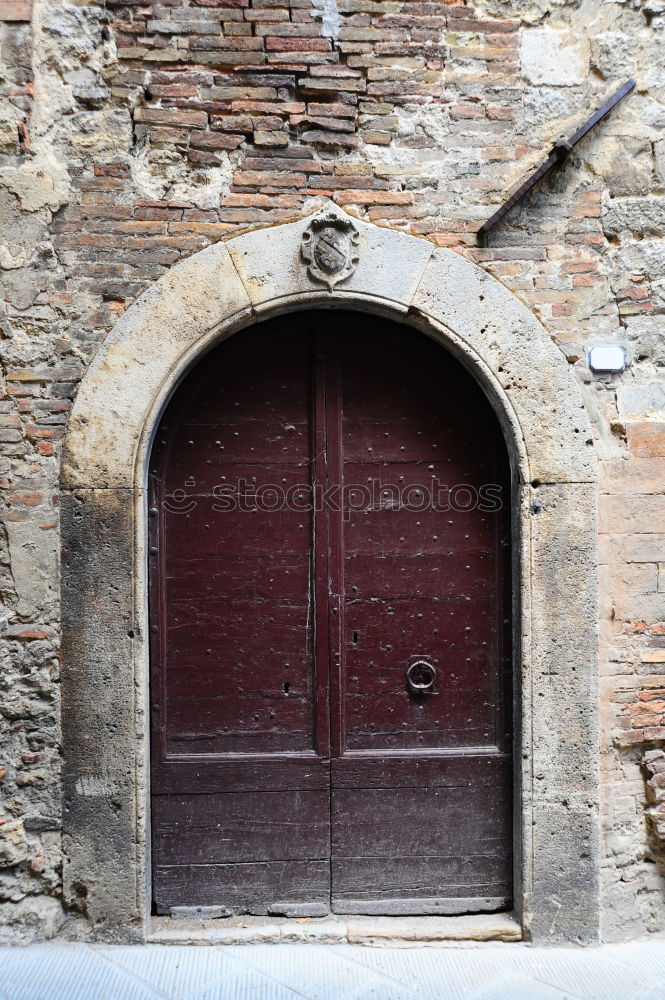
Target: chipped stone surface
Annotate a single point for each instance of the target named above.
(554, 56)
(654, 765)
(373, 931)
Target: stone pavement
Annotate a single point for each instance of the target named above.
(332, 972)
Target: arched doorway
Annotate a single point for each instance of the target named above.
(208, 298)
(331, 670)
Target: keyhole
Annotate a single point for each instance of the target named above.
(287, 687)
(355, 637)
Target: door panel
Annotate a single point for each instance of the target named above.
(435, 849)
(292, 763)
(418, 445)
(237, 827)
(245, 888)
(241, 801)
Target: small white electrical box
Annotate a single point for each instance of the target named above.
(607, 358)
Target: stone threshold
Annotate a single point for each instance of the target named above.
(372, 931)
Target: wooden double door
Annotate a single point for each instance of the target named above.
(330, 628)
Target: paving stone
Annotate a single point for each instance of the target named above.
(316, 972)
(449, 975)
(174, 971)
(246, 984)
(511, 986)
(581, 972)
(335, 972)
(69, 972)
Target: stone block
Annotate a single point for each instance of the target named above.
(101, 639)
(558, 57)
(624, 163)
(271, 266)
(646, 439)
(635, 217)
(624, 515)
(563, 659)
(645, 548)
(613, 54)
(13, 844)
(639, 401)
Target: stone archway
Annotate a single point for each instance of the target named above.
(206, 298)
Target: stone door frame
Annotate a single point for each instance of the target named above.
(200, 301)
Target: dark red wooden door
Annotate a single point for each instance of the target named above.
(330, 595)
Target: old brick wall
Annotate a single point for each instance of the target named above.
(133, 134)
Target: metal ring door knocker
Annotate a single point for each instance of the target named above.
(420, 677)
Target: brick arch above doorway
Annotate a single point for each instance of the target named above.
(199, 302)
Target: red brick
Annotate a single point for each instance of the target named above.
(334, 110)
(203, 157)
(586, 210)
(459, 20)
(29, 632)
(646, 439)
(259, 179)
(172, 90)
(297, 44)
(467, 109)
(585, 280)
(216, 140)
(374, 198)
(221, 3)
(334, 124)
(10, 435)
(212, 229)
(267, 14)
(288, 30)
(27, 499)
(15, 10)
(285, 107)
(500, 112)
(245, 215)
(171, 116)
(261, 200)
(229, 46)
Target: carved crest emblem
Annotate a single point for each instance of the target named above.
(329, 248)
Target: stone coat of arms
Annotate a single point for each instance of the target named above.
(329, 248)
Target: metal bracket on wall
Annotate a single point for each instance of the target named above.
(559, 153)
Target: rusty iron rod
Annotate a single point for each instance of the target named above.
(560, 151)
